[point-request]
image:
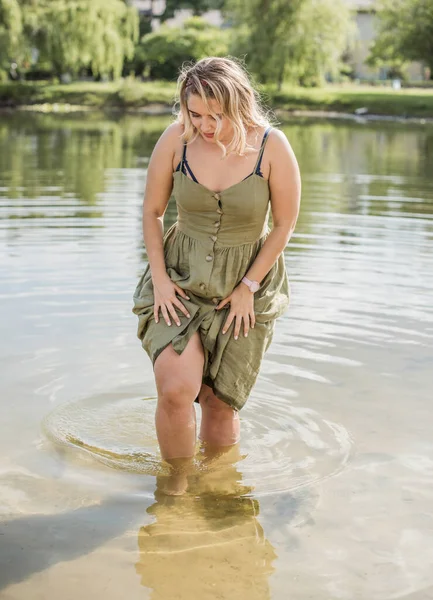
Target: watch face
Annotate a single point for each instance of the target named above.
(254, 286)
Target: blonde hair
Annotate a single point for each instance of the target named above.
(226, 81)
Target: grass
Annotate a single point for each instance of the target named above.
(380, 101)
(129, 94)
(124, 94)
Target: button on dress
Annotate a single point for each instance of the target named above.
(207, 251)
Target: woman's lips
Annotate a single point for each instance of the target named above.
(208, 135)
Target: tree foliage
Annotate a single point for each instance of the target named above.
(301, 40)
(71, 35)
(324, 30)
(405, 33)
(163, 51)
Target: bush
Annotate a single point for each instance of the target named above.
(13, 93)
(163, 51)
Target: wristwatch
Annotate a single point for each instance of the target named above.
(253, 285)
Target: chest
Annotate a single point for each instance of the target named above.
(219, 174)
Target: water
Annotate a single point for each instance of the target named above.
(330, 494)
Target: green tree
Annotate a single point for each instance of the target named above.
(324, 30)
(72, 35)
(261, 33)
(299, 40)
(10, 33)
(163, 51)
(405, 33)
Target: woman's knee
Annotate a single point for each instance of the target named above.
(215, 406)
(178, 377)
(176, 393)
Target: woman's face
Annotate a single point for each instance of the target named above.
(205, 122)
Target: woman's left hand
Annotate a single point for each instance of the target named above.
(241, 309)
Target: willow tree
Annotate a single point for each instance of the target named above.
(10, 32)
(299, 40)
(72, 35)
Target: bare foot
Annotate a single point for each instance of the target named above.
(176, 484)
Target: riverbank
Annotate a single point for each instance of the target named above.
(157, 97)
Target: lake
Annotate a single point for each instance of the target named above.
(330, 494)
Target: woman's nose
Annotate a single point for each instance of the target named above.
(207, 124)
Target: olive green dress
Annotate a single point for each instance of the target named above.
(207, 251)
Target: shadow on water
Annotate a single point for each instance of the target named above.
(208, 543)
(33, 543)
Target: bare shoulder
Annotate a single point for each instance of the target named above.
(281, 156)
(170, 138)
(279, 145)
(166, 150)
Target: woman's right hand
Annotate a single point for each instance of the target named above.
(165, 299)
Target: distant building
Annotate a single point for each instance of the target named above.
(365, 18)
(156, 7)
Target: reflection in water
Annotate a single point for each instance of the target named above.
(48, 156)
(207, 544)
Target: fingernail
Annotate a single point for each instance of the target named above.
(178, 323)
(246, 335)
(236, 337)
(169, 324)
(188, 298)
(188, 315)
(223, 331)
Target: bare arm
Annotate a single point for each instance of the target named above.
(157, 193)
(285, 186)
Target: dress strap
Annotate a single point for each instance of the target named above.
(183, 159)
(184, 163)
(262, 149)
(180, 166)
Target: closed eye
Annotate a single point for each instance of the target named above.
(196, 116)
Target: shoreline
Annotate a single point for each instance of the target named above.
(161, 109)
(156, 97)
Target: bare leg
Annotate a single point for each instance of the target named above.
(220, 424)
(178, 381)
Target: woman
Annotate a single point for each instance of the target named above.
(216, 281)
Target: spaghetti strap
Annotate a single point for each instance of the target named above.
(193, 177)
(257, 170)
(180, 166)
(184, 163)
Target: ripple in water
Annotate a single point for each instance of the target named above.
(283, 447)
